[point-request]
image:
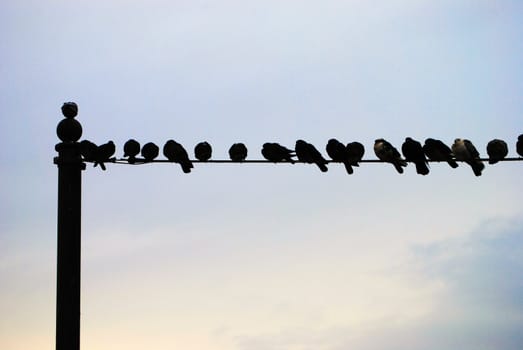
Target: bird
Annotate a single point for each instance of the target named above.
(387, 153)
(275, 152)
(413, 152)
(307, 153)
(497, 150)
(519, 145)
(203, 151)
(438, 151)
(104, 154)
(150, 151)
(338, 152)
(175, 152)
(238, 152)
(131, 149)
(465, 151)
(355, 151)
(69, 109)
(88, 150)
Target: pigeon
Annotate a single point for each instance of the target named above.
(464, 150)
(238, 152)
(88, 150)
(175, 152)
(338, 152)
(203, 151)
(307, 153)
(150, 151)
(519, 145)
(387, 153)
(69, 109)
(275, 152)
(413, 152)
(104, 154)
(131, 149)
(438, 151)
(355, 151)
(496, 150)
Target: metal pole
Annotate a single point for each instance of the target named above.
(70, 168)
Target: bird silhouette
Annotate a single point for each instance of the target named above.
(387, 153)
(519, 145)
(338, 152)
(131, 149)
(150, 151)
(104, 154)
(88, 150)
(69, 109)
(175, 152)
(275, 152)
(438, 151)
(413, 152)
(497, 150)
(203, 151)
(307, 153)
(355, 151)
(464, 150)
(238, 152)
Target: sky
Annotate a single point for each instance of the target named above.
(263, 256)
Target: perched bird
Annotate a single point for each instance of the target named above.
(413, 152)
(307, 153)
(338, 152)
(464, 150)
(69, 109)
(355, 151)
(150, 151)
(131, 149)
(203, 151)
(496, 150)
(88, 150)
(519, 145)
(104, 154)
(175, 152)
(275, 152)
(437, 150)
(238, 152)
(387, 153)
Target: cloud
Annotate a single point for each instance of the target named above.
(481, 306)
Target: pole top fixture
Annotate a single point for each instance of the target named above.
(69, 129)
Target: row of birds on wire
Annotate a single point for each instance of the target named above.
(350, 154)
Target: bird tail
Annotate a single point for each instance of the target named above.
(398, 166)
(348, 167)
(102, 165)
(186, 167)
(452, 163)
(477, 167)
(422, 168)
(322, 166)
(493, 160)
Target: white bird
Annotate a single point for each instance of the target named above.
(465, 151)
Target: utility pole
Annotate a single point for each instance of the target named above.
(70, 166)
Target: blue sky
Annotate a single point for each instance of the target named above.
(265, 256)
